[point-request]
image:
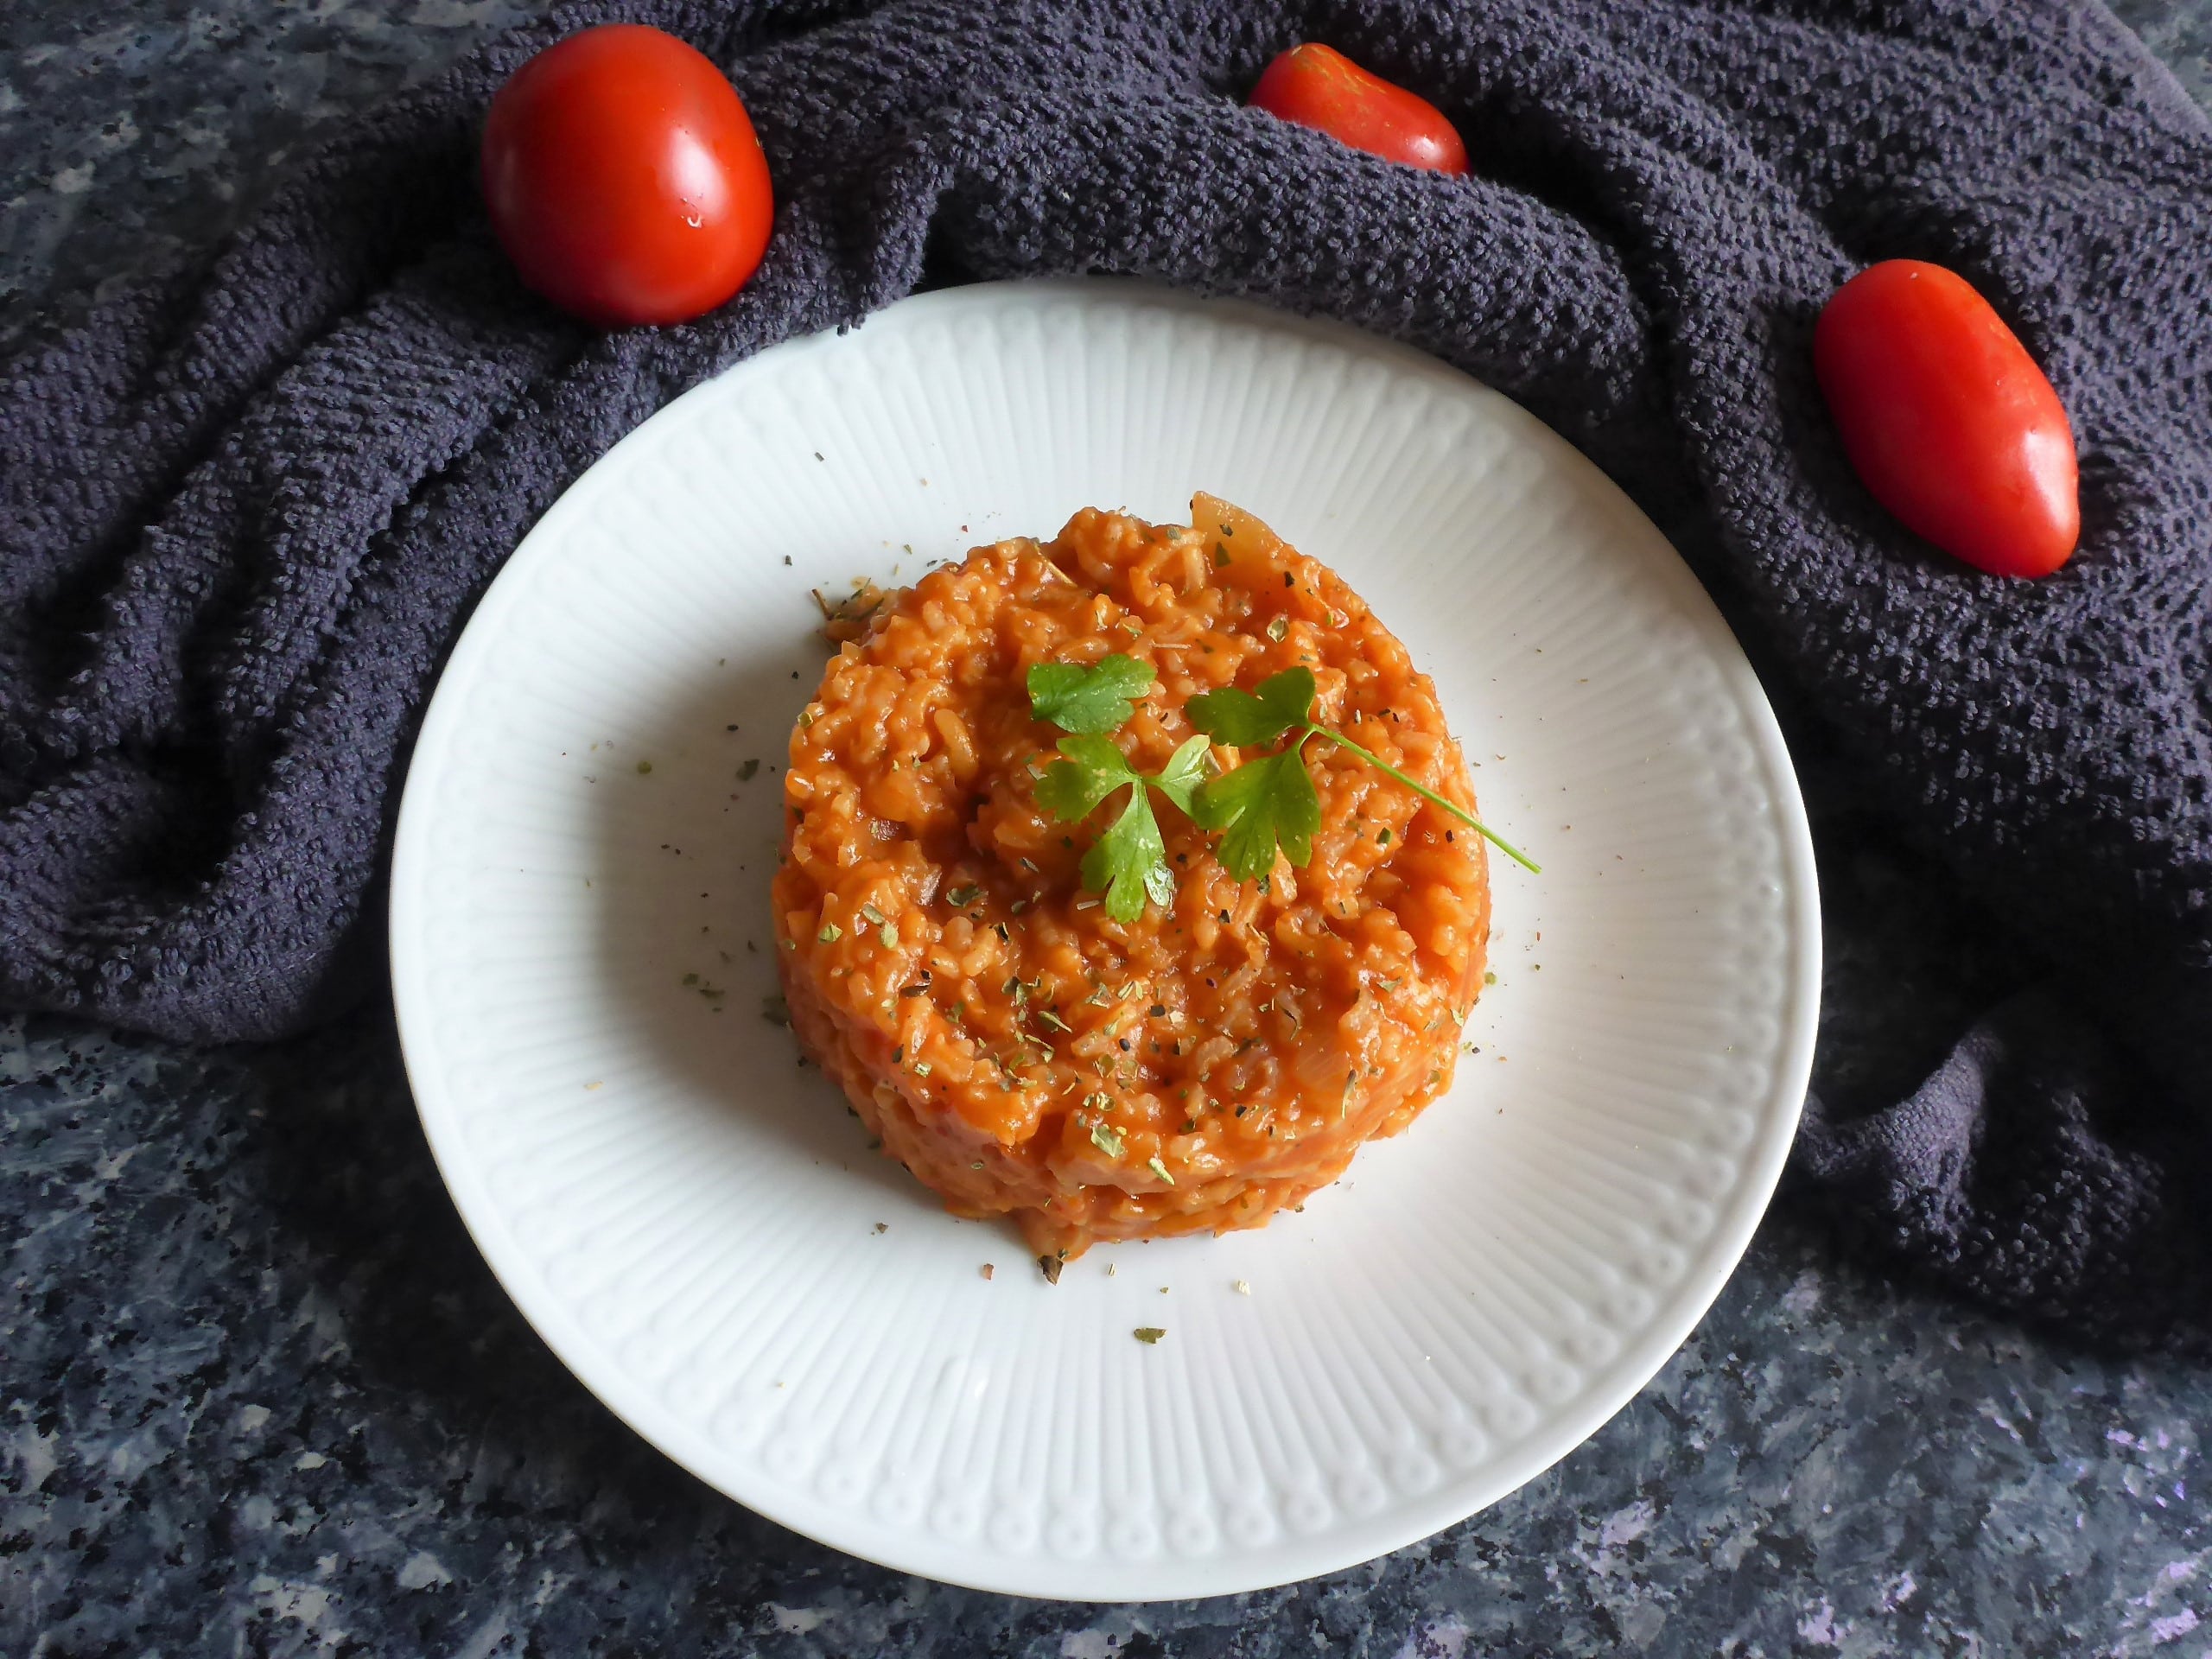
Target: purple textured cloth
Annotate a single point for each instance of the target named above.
(244, 513)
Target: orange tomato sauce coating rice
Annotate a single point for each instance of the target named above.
(1018, 1051)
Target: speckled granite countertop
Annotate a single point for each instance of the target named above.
(258, 1395)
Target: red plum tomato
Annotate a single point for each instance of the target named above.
(1948, 420)
(1318, 87)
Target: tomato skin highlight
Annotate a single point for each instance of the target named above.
(1948, 420)
(1318, 87)
(624, 178)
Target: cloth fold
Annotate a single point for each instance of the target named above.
(243, 511)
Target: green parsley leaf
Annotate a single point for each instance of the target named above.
(1263, 804)
(1071, 789)
(1107, 1139)
(1088, 700)
(1271, 802)
(1161, 1170)
(1242, 718)
(1185, 769)
(1128, 863)
(1148, 1333)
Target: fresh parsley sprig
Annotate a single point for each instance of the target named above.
(1264, 806)
(1270, 803)
(1128, 863)
(1091, 700)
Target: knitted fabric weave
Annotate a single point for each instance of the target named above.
(243, 513)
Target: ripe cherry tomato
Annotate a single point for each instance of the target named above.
(1948, 419)
(624, 178)
(1318, 87)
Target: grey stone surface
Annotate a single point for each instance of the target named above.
(258, 1395)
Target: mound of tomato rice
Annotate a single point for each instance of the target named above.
(1021, 1053)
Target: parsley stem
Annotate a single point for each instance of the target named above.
(1426, 793)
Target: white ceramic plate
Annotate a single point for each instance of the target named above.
(580, 952)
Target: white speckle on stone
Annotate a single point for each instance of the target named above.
(1087, 1644)
(310, 1461)
(35, 1459)
(252, 1417)
(1898, 1591)
(797, 1621)
(119, 135)
(306, 1604)
(321, 1314)
(1445, 1639)
(257, 1513)
(1642, 1620)
(73, 181)
(1818, 1627)
(421, 1570)
(2164, 1630)
(2178, 1570)
(490, 1635)
(1626, 1526)
(1803, 1295)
